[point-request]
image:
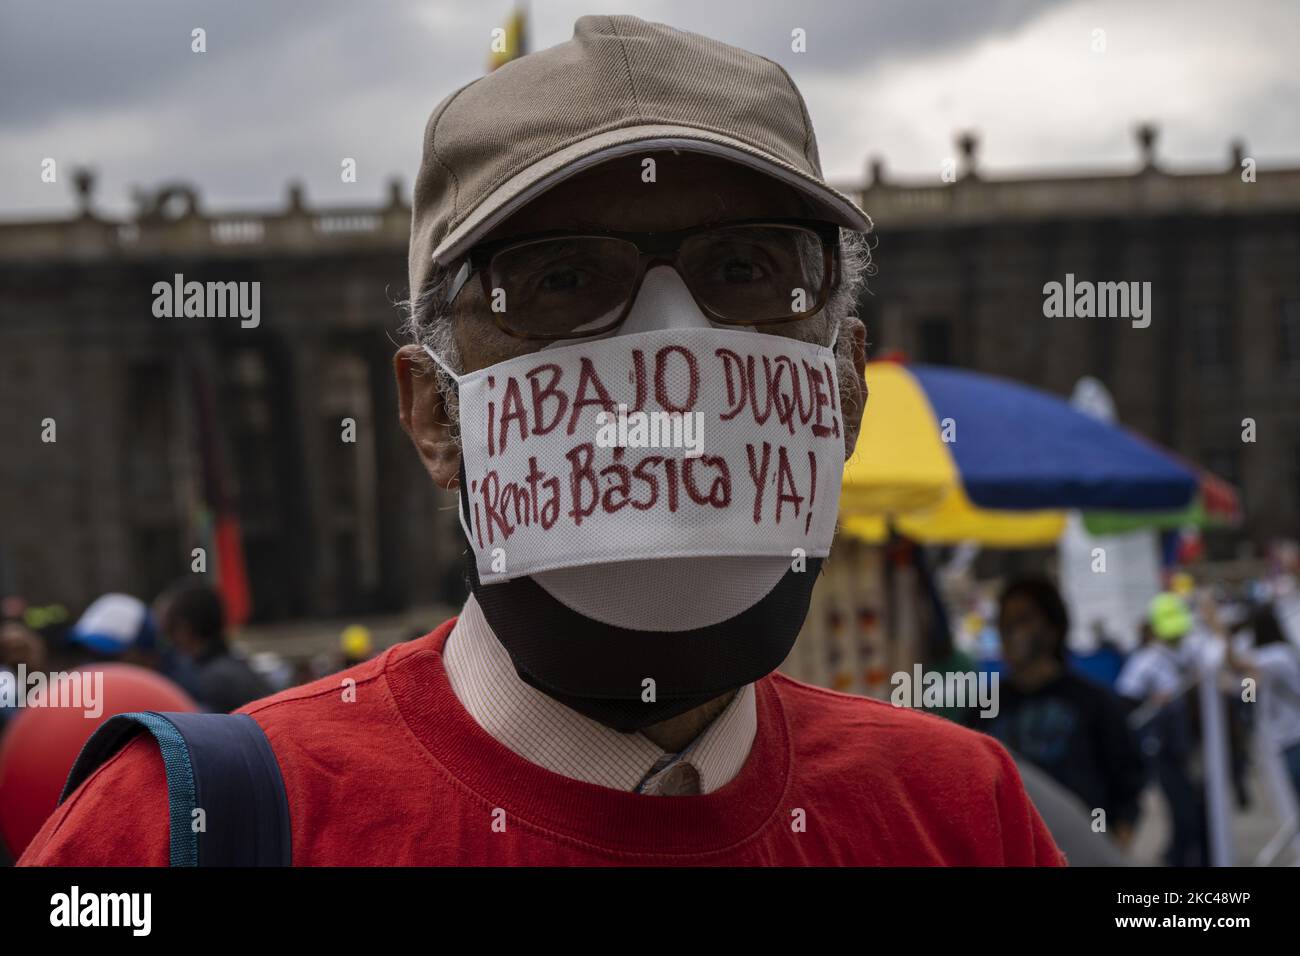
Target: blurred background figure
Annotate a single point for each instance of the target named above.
(356, 645)
(1069, 727)
(1285, 589)
(1156, 678)
(273, 668)
(1274, 663)
(19, 646)
(116, 627)
(194, 622)
(31, 637)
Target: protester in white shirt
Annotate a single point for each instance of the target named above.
(1274, 662)
(1154, 676)
(1153, 672)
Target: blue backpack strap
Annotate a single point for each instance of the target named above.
(221, 763)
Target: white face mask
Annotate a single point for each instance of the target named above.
(672, 455)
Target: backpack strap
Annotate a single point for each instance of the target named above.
(220, 763)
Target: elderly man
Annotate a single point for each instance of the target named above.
(636, 361)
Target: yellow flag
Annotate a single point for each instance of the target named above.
(509, 42)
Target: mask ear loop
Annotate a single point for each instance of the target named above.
(462, 511)
(463, 508)
(844, 425)
(441, 364)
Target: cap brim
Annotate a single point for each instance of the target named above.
(99, 643)
(531, 182)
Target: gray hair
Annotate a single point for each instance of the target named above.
(428, 320)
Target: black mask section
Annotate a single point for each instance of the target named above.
(598, 669)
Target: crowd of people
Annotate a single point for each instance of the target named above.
(1103, 734)
(174, 653)
(182, 636)
(1098, 730)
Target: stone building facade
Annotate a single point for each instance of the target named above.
(963, 265)
(143, 405)
(329, 526)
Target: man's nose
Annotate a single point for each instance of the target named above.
(663, 302)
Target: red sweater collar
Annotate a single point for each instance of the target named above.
(530, 795)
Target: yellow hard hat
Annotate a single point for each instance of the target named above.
(356, 641)
(1169, 616)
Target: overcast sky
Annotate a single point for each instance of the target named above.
(288, 88)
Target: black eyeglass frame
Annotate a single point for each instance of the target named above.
(654, 248)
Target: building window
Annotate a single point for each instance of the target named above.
(1289, 333)
(148, 418)
(934, 341)
(1211, 340)
(1295, 478)
(250, 424)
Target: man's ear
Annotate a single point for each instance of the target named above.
(855, 396)
(424, 416)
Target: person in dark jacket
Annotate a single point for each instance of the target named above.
(194, 622)
(1068, 726)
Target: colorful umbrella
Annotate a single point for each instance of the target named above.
(948, 455)
(1216, 505)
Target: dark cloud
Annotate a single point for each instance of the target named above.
(288, 88)
(89, 57)
(851, 35)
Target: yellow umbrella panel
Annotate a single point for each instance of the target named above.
(902, 475)
(956, 520)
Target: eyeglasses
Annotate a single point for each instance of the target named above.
(564, 285)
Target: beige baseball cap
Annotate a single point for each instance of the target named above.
(620, 86)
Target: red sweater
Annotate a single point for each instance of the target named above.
(403, 775)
